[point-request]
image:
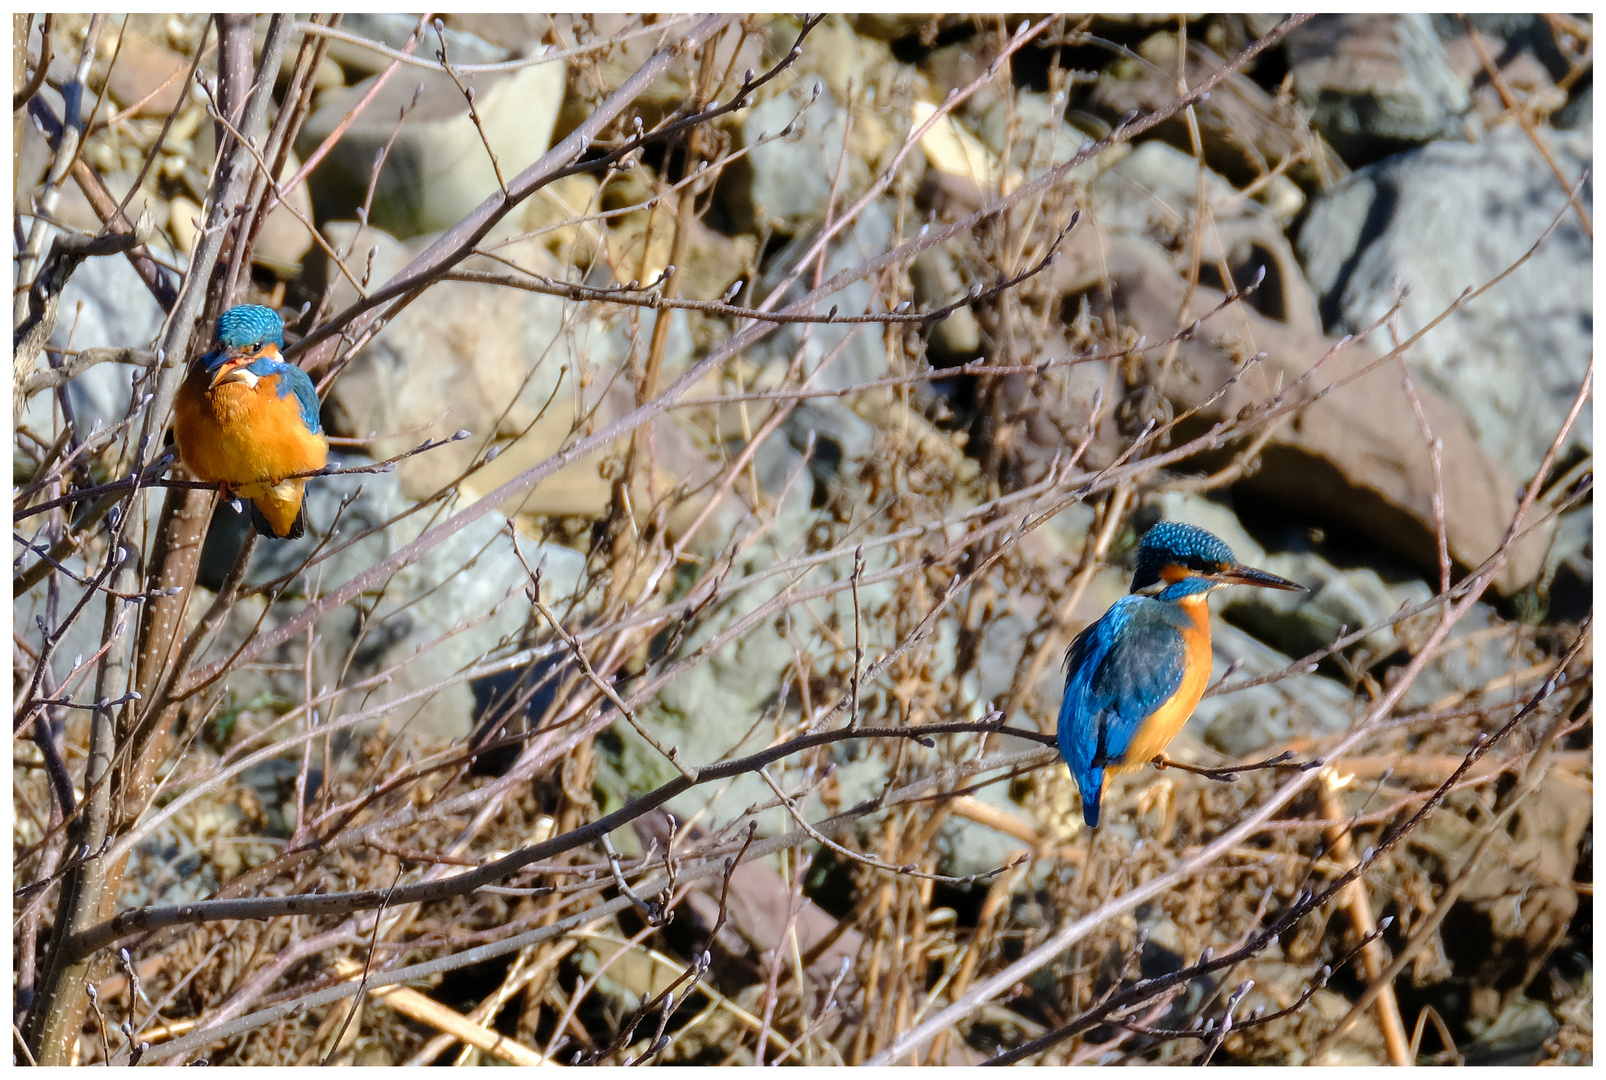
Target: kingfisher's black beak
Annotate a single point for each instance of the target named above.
(1248, 575)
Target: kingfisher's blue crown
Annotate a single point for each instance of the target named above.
(1171, 543)
(249, 324)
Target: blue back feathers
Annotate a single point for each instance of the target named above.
(1171, 543)
(249, 324)
(1120, 669)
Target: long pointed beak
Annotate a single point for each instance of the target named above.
(1248, 575)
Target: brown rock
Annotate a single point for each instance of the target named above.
(143, 69)
(284, 240)
(1521, 71)
(1377, 81)
(1354, 456)
(1244, 129)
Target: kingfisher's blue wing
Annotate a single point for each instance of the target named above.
(1119, 671)
(292, 380)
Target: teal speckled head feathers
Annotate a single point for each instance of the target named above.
(249, 325)
(1177, 560)
(1174, 544)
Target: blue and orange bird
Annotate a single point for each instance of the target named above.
(1134, 676)
(247, 421)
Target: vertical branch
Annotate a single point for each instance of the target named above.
(627, 556)
(89, 890)
(175, 554)
(233, 76)
(72, 135)
(87, 893)
(275, 151)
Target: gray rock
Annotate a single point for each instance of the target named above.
(1479, 649)
(774, 463)
(454, 607)
(439, 168)
(1375, 81)
(1338, 600)
(1452, 216)
(791, 177)
(842, 439)
(1516, 1037)
(116, 310)
(1579, 113)
(1004, 638)
(857, 353)
(935, 278)
(1042, 137)
(966, 847)
(394, 29)
(729, 705)
(732, 702)
(1153, 192)
(1245, 721)
(1565, 586)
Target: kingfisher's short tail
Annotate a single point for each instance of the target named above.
(1091, 786)
(280, 512)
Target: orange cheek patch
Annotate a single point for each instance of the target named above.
(1171, 572)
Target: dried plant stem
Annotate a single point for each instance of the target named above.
(1365, 922)
(412, 1004)
(1534, 772)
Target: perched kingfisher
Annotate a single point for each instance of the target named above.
(246, 420)
(1134, 676)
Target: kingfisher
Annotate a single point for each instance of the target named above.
(1134, 677)
(248, 422)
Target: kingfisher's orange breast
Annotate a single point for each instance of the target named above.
(243, 435)
(1162, 725)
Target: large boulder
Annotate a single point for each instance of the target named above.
(457, 605)
(1453, 216)
(521, 371)
(440, 166)
(1353, 457)
(1377, 82)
